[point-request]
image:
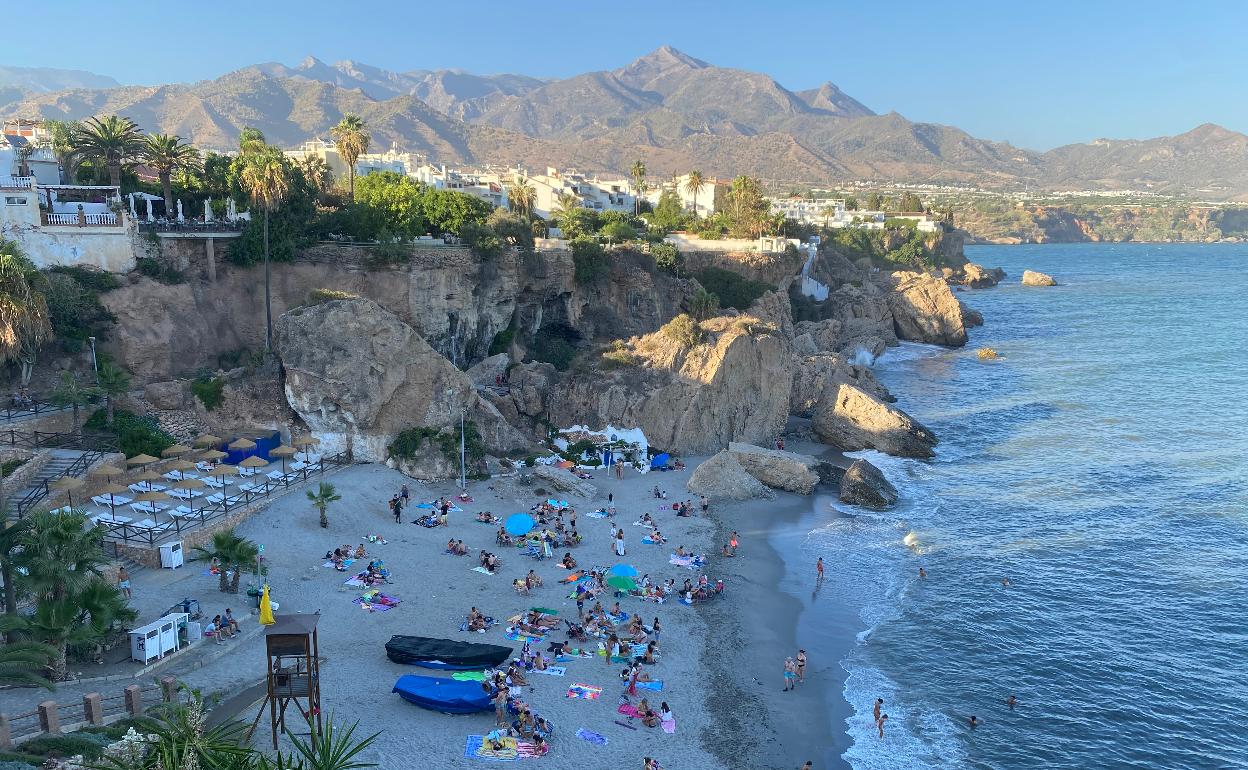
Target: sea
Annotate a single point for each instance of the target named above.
(1100, 466)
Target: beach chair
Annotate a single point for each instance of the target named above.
(245, 471)
(216, 499)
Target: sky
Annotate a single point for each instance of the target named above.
(1035, 74)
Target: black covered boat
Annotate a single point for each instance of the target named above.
(445, 654)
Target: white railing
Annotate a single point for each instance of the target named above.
(88, 220)
(17, 182)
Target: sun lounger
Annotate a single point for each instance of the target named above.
(298, 465)
(204, 466)
(216, 499)
(146, 507)
(103, 501)
(180, 475)
(245, 471)
(109, 518)
(249, 487)
(215, 483)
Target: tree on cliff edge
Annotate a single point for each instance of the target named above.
(352, 139)
(267, 182)
(112, 141)
(167, 154)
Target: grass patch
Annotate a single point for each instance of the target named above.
(209, 390)
(157, 270)
(9, 466)
(320, 296)
(135, 434)
(683, 330)
(408, 443)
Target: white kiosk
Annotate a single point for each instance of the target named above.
(155, 640)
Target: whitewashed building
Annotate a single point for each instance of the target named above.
(592, 192)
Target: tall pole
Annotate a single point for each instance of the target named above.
(95, 364)
(463, 468)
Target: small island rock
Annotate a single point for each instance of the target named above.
(1032, 278)
(865, 485)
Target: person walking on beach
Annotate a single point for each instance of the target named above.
(123, 581)
(397, 509)
(619, 543)
(819, 570)
(801, 665)
(404, 493)
(619, 468)
(790, 674)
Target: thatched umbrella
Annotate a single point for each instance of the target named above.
(68, 484)
(213, 454)
(149, 477)
(282, 452)
(255, 463)
(305, 443)
(207, 440)
(152, 497)
(190, 484)
(111, 490)
(177, 450)
(242, 443)
(107, 471)
(182, 466)
(142, 459)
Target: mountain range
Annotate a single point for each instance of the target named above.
(669, 109)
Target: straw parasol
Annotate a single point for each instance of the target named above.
(175, 451)
(207, 440)
(68, 484)
(182, 466)
(224, 470)
(142, 460)
(151, 497)
(107, 471)
(305, 443)
(242, 443)
(282, 452)
(190, 484)
(111, 490)
(149, 477)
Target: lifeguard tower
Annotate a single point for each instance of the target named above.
(294, 674)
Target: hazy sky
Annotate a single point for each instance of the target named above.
(1035, 74)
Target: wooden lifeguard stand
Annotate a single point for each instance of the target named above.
(294, 673)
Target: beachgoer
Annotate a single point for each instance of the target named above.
(404, 494)
(922, 572)
(648, 716)
(974, 722)
(732, 540)
(1011, 701)
(665, 712)
(790, 674)
(880, 723)
(123, 581)
(801, 665)
(1005, 581)
(619, 543)
(396, 507)
(727, 552)
(706, 505)
(875, 712)
(619, 469)
(819, 570)
(807, 766)
(229, 620)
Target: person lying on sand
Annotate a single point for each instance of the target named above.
(485, 517)
(476, 621)
(657, 537)
(513, 671)
(540, 620)
(528, 628)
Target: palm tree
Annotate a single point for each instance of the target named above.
(638, 173)
(60, 555)
(232, 553)
(24, 323)
(167, 154)
(694, 185)
(351, 138)
(70, 392)
(522, 196)
(324, 495)
(111, 140)
(20, 662)
(12, 531)
(828, 212)
(267, 181)
(565, 204)
(113, 382)
(251, 140)
(317, 172)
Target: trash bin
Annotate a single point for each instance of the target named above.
(194, 631)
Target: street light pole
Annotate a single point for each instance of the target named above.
(463, 467)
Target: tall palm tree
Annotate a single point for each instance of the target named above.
(167, 154)
(321, 498)
(83, 617)
(565, 204)
(251, 140)
(113, 382)
(267, 181)
(72, 393)
(351, 138)
(317, 172)
(522, 196)
(24, 319)
(694, 185)
(12, 531)
(638, 173)
(111, 140)
(60, 555)
(233, 553)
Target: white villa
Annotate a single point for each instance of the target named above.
(594, 193)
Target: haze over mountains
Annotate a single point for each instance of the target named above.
(667, 108)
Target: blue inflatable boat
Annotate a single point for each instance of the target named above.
(446, 695)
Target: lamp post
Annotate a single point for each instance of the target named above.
(463, 468)
(95, 364)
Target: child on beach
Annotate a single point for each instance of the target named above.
(790, 674)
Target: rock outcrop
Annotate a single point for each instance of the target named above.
(854, 419)
(925, 310)
(358, 376)
(778, 469)
(977, 276)
(1032, 278)
(561, 480)
(816, 379)
(723, 478)
(864, 484)
(486, 372)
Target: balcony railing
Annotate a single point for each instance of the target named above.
(86, 220)
(17, 182)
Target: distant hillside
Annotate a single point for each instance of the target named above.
(49, 79)
(669, 109)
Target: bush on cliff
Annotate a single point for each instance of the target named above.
(408, 443)
(703, 304)
(555, 343)
(74, 309)
(683, 330)
(733, 290)
(667, 257)
(589, 260)
(209, 390)
(319, 296)
(135, 434)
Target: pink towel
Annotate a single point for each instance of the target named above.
(628, 709)
(669, 726)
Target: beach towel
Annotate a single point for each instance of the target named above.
(482, 570)
(557, 503)
(618, 619)
(426, 506)
(550, 671)
(591, 736)
(345, 563)
(356, 581)
(628, 710)
(657, 685)
(474, 748)
(650, 541)
(520, 636)
(375, 601)
(669, 726)
(584, 691)
(597, 514)
(469, 676)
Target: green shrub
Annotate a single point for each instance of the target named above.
(618, 356)
(733, 290)
(388, 252)
(135, 434)
(555, 343)
(683, 330)
(12, 761)
(703, 305)
(159, 271)
(481, 239)
(74, 309)
(407, 444)
(91, 747)
(619, 231)
(90, 278)
(530, 461)
(9, 466)
(209, 390)
(589, 260)
(319, 296)
(502, 341)
(666, 257)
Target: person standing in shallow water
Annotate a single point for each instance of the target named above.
(880, 724)
(819, 570)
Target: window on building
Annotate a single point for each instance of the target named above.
(12, 200)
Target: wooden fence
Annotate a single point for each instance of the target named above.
(94, 710)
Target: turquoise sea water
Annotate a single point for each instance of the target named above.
(1102, 467)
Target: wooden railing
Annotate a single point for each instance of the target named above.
(131, 534)
(92, 445)
(25, 408)
(94, 710)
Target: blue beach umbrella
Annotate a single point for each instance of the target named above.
(518, 524)
(623, 570)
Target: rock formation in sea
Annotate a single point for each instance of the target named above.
(854, 419)
(864, 484)
(724, 478)
(1032, 278)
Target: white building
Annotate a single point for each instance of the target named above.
(65, 224)
(592, 193)
(399, 162)
(829, 212)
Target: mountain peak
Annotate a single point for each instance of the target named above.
(311, 63)
(659, 63)
(831, 99)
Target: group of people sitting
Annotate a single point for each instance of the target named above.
(222, 626)
(456, 547)
(534, 623)
(485, 517)
(489, 561)
(375, 574)
(477, 621)
(514, 717)
(340, 555)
